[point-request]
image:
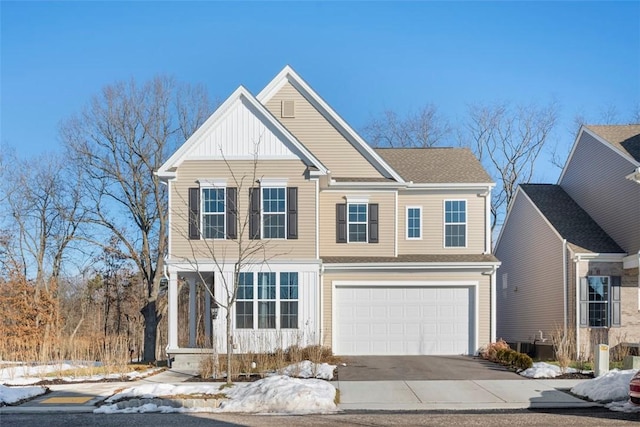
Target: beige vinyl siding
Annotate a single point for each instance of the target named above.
(292, 170)
(484, 291)
(321, 137)
(531, 255)
(432, 203)
(595, 179)
(386, 225)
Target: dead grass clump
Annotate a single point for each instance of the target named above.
(563, 346)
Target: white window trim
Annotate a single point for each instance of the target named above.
(273, 182)
(366, 222)
(262, 212)
(407, 222)
(212, 182)
(445, 223)
(203, 213)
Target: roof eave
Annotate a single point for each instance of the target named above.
(412, 265)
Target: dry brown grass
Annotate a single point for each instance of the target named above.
(563, 346)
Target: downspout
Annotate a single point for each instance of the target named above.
(565, 279)
(320, 314)
(487, 221)
(493, 306)
(576, 261)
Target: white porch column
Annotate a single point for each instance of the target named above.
(192, 312)
(172, 339)
(492, 338)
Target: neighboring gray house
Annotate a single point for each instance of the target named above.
(570, 251)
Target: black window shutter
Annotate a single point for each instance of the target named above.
(373, 223)
(292, 212)
(616, 314)
(341, 223)
(194, 213)
(232, 213)
(254, 214)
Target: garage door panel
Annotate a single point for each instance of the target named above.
(397, 320)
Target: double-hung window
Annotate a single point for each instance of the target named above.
(274, 212)
(455, 223)
(414, 223)
(600, 301)
(213, 213)
(357, 222)
(269, 302)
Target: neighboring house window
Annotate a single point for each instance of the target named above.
(288, 300)
(357, 222)
(213, 213)
(267, 303)
(414, 223)
(455, 223)
(600, 301)
(273, 213)
(244, 303)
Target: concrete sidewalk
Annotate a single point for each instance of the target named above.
(354, 395)
(458, 395)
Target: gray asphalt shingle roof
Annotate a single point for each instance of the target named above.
(573, 223)
(435, 165)
(624, 137)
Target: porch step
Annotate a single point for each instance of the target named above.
(187, 362)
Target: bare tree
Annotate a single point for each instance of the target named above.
(117, 142)
(422, 128)
(43, 200)
(508, 140)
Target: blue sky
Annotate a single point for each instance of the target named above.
(361, 57)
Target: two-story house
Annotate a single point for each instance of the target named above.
(570, 251)
(367, 251)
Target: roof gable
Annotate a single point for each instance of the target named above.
(288, 75)
(569, 220)
(260, 135)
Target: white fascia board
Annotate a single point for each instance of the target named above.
(166, 175)
(365, 185)
(412, 266)
(485, 186)
(206, 265)
(287, 74)
(241, 93)
(602, 257)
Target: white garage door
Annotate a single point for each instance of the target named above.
(398, 320)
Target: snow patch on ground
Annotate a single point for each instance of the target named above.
(32, 374)
(275, 394)
(545, 370)
(612, 386)
(11, 395)
(308, 369)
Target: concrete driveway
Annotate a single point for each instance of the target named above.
(421, 368)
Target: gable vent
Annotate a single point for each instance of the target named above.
(288, 108)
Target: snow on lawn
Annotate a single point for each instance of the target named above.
(544, 370)
(275, 394)
(308, 369)
(10, 395)
(31, 374)
(612, 387)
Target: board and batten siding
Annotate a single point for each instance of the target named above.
(484, 291)
(531, 256)
(386, 225)
(320, 137)
(595, 179)
(432, 203)
(191, 171)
